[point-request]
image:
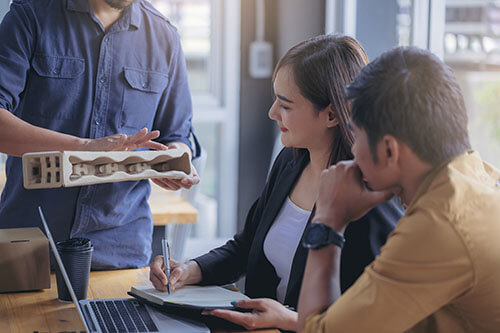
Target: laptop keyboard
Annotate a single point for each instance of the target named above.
(123, 316)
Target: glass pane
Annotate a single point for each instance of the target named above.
(482, 91)
(472, 34)
(404, 22)
(472, 50)
(209, 134)
(193, 21)
(382, 24)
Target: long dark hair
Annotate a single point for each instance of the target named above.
(323, 66)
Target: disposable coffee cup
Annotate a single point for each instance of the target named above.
(76, 255)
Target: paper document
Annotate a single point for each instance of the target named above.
(210, 296)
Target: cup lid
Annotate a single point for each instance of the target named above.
(74, 244)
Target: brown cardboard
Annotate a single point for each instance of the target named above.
(24, 260)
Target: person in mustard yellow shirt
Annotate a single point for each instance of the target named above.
(439, 270)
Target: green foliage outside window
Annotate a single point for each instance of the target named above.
(488, 99)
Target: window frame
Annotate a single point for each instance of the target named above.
(221, 106)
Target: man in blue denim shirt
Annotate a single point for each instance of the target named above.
(92, 68)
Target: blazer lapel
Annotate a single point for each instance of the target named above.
(281, 190)
(256, 258)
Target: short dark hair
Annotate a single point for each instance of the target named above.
(409, 93)
(322, 67)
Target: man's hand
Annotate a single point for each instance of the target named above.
(343, 197)
(174, 184)
(141, 139)
(267, 313)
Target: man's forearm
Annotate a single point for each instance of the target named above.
(321, 283)
(18, 137)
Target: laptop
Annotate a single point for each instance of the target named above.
(121, 314)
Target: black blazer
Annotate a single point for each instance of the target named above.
(244, 255)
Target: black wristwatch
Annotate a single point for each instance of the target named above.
(319, 235)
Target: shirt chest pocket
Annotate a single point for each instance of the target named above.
(141, 96)
(57, 85)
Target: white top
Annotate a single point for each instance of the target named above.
(282, 240)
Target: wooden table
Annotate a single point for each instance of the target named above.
(41, 310)
(169, 208)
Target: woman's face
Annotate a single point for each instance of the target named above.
(301, 125)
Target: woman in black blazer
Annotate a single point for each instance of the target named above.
(312, 113)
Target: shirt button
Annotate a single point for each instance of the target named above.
(102, 80)
(55, 71)
(106, 39)
(144, 85)
(97, 122)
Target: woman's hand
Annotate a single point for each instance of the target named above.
(141, 139)
(267, 313)
(180, 274)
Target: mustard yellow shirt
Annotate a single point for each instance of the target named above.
(440, 268)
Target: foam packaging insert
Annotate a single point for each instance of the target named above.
(77, 168)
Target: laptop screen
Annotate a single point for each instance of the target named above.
(62, 269)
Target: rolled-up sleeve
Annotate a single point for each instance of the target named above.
(17, 33)
(423, 266)
(174, 114)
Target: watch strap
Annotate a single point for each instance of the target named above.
(330, 236)
(335, 237)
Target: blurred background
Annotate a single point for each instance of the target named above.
(231, 99)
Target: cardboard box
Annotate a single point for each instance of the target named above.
(24, 263)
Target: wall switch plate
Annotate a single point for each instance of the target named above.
(261, 60)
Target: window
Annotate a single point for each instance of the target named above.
(193, 20)
(209, 31)
(465, 34)
(472, 49)
(403, 20)
(377, 25)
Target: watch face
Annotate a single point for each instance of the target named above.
(316, 234)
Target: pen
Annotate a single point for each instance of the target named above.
(166, 259)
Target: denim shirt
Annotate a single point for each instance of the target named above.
(61, 70)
